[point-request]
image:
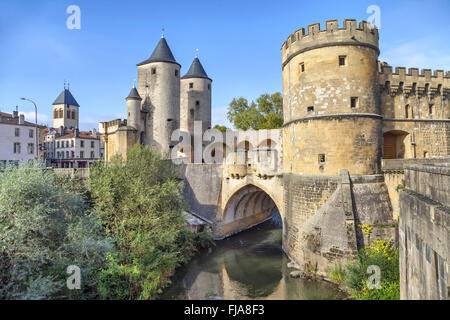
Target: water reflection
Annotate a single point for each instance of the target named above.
(250, 265)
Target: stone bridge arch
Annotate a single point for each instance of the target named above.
(248, 202)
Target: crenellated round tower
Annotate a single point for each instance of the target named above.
(159, 87)
(332, 113)
(195, 102)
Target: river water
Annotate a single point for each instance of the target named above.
(249, 265)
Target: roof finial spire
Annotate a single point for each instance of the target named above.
(64, 84)
(134, 83)
(68, 85)
(162, 32)
(196, 53)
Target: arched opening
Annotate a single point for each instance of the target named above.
(395, 145)
(248, 207)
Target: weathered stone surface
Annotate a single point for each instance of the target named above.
(424, 233)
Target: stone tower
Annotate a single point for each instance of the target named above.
(65, 111)
(195, 104)
(159, 87)
(332, 113)
(134, 109)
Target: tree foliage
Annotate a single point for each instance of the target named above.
(265, 113)
(220, 128)
(140, 201)
(45, 226)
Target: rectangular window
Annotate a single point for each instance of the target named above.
(302, 67)
(209, 87)
(71, 143)
(57, 144)
(30, 133)
(82, 144)
(30, 148)
(17, 132)
(81, 154)
(92, 144)
(430, 109)
(153, 70)
(176, 73)
(354, 102)
(197, 103)
(191, 85)
(310, 110)
(321, 158)
(16, 147)
(342, 60)
(92, 154)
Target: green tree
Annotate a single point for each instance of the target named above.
(265, 113)
(45, 226)
(220, 128)
(140, 201)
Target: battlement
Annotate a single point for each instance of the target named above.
(350, 33)
(426, 81)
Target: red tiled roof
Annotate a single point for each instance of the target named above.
(81, 135)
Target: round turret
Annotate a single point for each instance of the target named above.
(134, 109)
(332, 116)
(159, 86)
(195, 102)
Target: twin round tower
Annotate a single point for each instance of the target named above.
(162, 102)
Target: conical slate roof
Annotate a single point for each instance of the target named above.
(196, 71)
(134, 94)
(66, 97)
(161, 53)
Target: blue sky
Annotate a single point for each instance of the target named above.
(239, 45)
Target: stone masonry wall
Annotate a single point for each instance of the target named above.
(424, 232)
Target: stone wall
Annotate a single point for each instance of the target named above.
(424, 232)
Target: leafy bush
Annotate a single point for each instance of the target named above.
(380, 254)
(46, 226)
(141, 203)
(337, 274)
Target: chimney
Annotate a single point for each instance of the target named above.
(16, 113)
(21, 119)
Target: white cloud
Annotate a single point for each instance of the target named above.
(424, 53)
(219, 116)
(41, 118)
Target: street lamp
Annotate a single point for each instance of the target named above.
(36, 127)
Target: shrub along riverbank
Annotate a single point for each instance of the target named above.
(378, 261)
(127, 235)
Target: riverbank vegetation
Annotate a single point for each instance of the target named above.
(124, 229)
(361, 276)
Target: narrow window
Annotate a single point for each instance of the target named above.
(197, 103)
(302, 67)
(81, 154)
(425, 154)
(92, 144)
(342, 60)
(30, 133)
(191, 111)
(321, 158)
(209, 87)
(17, 147)
(30, 148)
(407, 111)
(57, 144)
(153, 70)
(82, 143)
(176, 75)
(354, 102)
(430, 109)
(92, 154)
(17, 132)
(310, 110)
(191, 85)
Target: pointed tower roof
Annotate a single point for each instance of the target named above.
(134, 94)
(196, 71)
(66, 97)
(161, 53)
